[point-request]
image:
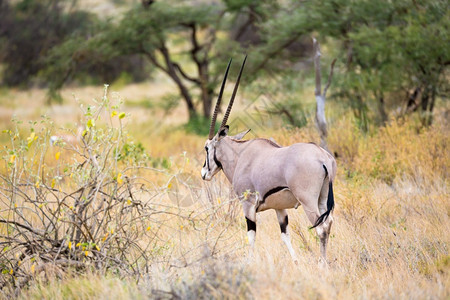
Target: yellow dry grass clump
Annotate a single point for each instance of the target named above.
(389, 239)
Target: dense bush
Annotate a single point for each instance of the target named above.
(393, 54)
(75, 200)
(68, 200)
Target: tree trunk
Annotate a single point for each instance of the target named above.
(428, 100)
(321, 120)
(431, 107)
(206, 92)
(171, 71)
(424, 106)
(382, 109)
(321, 96)
(412, 105)
(207, 99)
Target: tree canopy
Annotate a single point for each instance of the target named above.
(391, 55)
(191, 43)
(393, 52)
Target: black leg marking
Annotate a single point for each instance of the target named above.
(284, 224)
(250, 225)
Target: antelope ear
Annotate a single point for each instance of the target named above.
(240, 135)
(223, 132)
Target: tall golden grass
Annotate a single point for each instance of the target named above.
(389, 239)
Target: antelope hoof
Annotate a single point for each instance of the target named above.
(323, 263)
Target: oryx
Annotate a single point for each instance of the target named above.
(265, 175)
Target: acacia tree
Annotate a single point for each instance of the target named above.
(147, 32)
(190, 43)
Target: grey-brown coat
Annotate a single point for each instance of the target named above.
(265, 175)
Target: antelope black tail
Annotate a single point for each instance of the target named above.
(330, 205)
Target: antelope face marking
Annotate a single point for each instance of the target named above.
(211, 166)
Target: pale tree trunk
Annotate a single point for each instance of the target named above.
(321, 96)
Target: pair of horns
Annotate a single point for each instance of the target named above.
(216, 109)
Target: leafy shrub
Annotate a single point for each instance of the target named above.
(284, 97)
(401, 148)
(74, 201)
(397, 150)
(199, 125)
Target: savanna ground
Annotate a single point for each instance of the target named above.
(389, 239)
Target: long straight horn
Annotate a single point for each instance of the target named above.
(216, 109)
(227, 113)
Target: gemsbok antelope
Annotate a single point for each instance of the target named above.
(265, 175)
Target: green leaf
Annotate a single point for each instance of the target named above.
(90, 123)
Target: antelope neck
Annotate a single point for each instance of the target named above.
(229, 156)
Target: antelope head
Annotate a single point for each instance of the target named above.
(212, 164)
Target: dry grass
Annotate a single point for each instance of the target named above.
(389, 240)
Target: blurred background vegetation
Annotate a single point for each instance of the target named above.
(135, 142)
(392, 56)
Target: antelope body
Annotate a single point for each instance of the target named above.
(265, 176)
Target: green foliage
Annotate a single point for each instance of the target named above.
(131, 151)
(190, 43)
(389, 48)
(392, 55)
(29, 30)
(199, 125)
(33, 30)
(284, 100)
(90, 62)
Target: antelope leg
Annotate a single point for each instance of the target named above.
(285, 237)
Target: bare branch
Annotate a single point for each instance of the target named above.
(275, 52)
(154, 61)
(196, 47)
(23, 226)
(186, 76)
(181, 86)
